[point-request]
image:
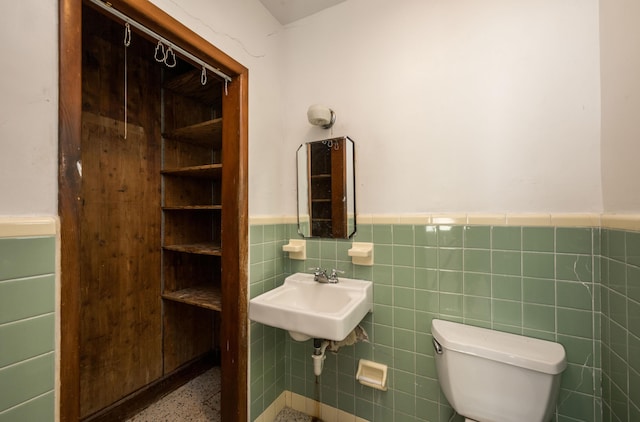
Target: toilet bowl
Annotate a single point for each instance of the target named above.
(491, 376)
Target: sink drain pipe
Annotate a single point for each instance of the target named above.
(319, 347)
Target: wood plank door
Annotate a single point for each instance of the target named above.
(120, 219)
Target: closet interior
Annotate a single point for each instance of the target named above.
(157, 207)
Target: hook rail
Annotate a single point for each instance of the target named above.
(170, 46)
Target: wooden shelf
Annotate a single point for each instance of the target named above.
(208, 171)
(209, 297)
(188, 84)
(205, 133)
(203, 248)
(193, 208)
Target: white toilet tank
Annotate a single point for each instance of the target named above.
(491, 376)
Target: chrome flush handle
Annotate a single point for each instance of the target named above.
(437, 347)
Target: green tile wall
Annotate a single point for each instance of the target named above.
(27, 302)
(267, 344)
(538, 281)
(620, 304)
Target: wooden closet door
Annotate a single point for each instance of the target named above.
(120, 218)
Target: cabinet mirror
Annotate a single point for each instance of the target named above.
(326, 188)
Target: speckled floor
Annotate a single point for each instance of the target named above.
(289, 415)
(196, 401)
(199, 401)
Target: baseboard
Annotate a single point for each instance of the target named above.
(307, 406)
(150, 393)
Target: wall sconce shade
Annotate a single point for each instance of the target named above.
(322, 116)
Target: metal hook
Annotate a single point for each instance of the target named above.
(203, 76)
(127, 34)
(159, 54)
(170, 53)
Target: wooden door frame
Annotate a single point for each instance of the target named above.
(234, 326)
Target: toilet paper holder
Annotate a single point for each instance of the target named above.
(372, 374)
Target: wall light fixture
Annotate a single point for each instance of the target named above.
(322, 116)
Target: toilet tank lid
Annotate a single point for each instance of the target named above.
(526, 352)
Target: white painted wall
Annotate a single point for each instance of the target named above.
(29, 108)
(620, 67)
(455, 106)
(471, 106)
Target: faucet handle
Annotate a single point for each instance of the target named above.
(318, 272)
(334, 275)
(320, 275)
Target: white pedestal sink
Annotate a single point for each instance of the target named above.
(308, 309)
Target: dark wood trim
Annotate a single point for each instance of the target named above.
(234, 327)
(234, 330)
(70, 124)
(135, 402)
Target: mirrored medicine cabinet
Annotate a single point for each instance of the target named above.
(326, 188)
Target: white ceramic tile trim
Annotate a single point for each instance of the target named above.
(28, 226)
(621, 221)
(524, 219)
(629, 222)
(307, 406)
(270, 413)
(327, 413)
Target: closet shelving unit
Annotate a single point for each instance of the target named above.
(192, 200)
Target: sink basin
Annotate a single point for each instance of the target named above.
(308, 309)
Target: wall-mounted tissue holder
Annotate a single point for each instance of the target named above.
(372, 374)
(297, 249)
(361, 253)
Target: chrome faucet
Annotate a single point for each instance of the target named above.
(321, 276)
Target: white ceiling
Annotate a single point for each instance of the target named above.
(287, 11)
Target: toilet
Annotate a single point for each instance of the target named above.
(491, 376)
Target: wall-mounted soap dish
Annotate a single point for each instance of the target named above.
(297, 249)
(361, 253)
